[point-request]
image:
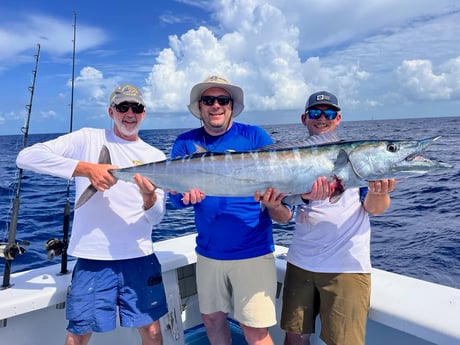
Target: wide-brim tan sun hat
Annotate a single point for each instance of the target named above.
(216, 81)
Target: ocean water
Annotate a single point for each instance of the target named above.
(418, 236)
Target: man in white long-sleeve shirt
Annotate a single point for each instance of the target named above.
(112, 232)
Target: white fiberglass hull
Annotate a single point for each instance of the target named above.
(403, 310)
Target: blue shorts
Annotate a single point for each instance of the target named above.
(99, 286)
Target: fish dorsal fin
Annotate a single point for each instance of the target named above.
(328, 137)
(313, 140)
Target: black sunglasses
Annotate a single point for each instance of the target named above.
(124, 107)
(222, 100)
(315, 114)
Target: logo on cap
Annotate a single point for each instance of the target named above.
(129, 90)
(323, 98)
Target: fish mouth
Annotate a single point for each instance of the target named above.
(421, 164)
(416, 163)
(416, 157)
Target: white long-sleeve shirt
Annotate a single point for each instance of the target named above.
(112, 225)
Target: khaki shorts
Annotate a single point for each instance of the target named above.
(341, 299)
(249, 285)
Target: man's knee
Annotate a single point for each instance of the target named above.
(151, 334)
(256, 335)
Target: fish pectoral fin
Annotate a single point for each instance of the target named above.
(344, 162)
(342, 159)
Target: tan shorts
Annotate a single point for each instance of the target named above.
(249, 285)
(341, 299)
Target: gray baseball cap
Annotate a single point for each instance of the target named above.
(324, 98)
(126, 93)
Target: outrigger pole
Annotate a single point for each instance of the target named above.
(12, 248)
(53, 246)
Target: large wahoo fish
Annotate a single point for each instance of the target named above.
(291, 170)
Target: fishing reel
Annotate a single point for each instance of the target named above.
(55, 247)
(10, 250)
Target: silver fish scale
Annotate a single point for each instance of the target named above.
(290, 170)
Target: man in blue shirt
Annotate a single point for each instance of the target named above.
(234, 238)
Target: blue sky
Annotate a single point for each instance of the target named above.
(382, 58)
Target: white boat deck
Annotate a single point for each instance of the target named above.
(404, 310)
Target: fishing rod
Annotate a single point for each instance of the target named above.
(53, 246)
(13, 248)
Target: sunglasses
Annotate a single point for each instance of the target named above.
(209, 100)
(124, 107)
(315, 114)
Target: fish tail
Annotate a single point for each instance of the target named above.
(85, 196)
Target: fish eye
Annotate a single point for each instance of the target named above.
(392, 147)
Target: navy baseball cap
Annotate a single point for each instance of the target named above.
(322, 98)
